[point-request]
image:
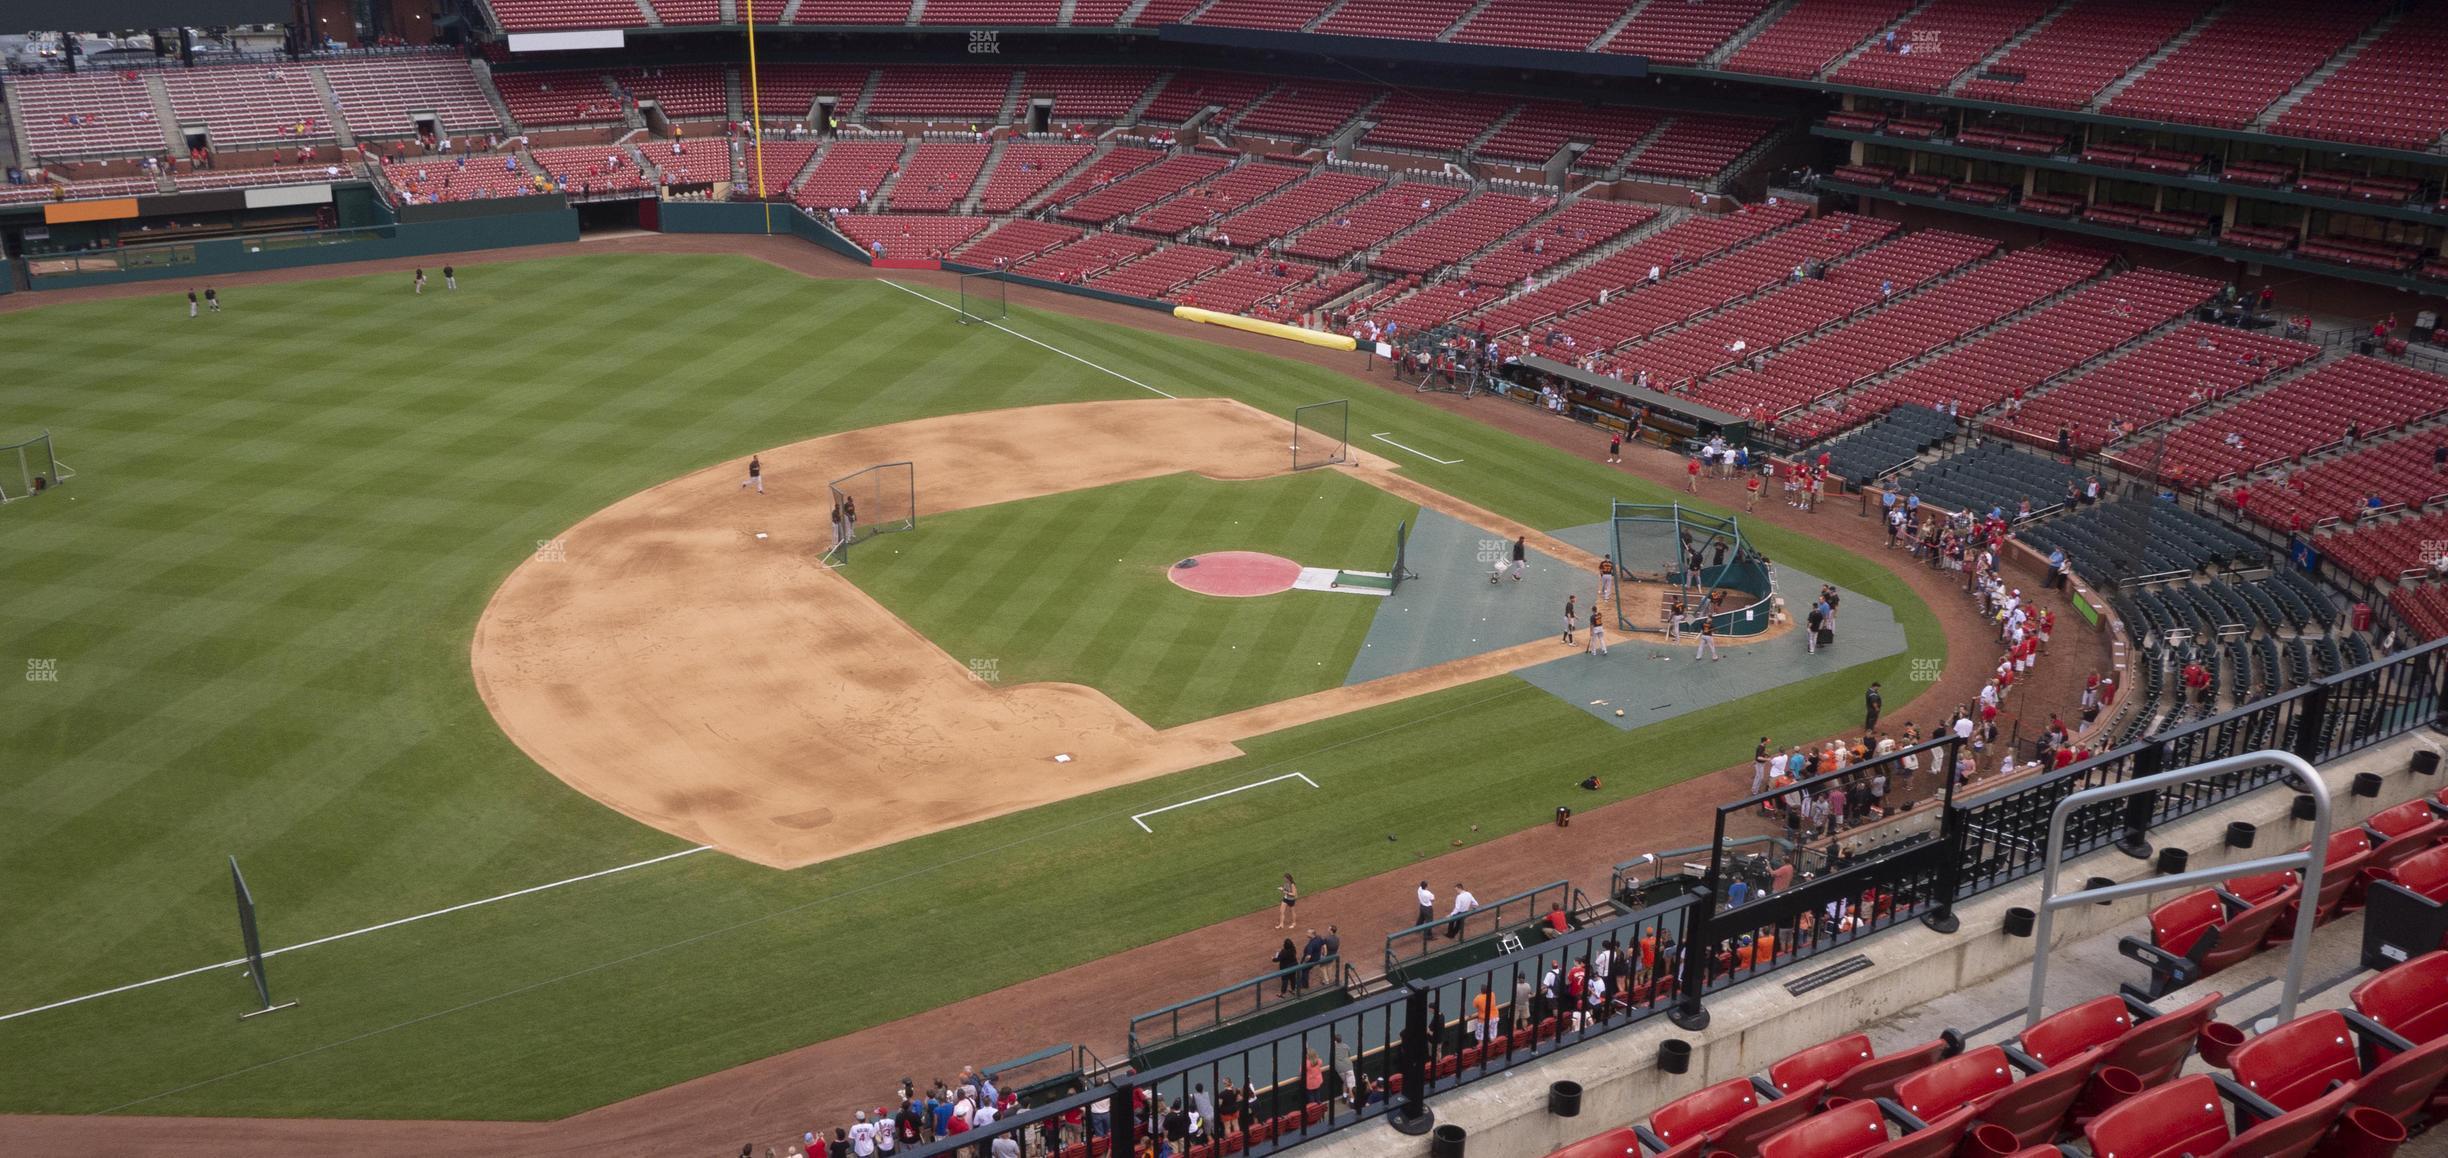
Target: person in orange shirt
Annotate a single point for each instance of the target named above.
(1483, 1016)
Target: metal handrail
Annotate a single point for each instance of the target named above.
(2309, 861)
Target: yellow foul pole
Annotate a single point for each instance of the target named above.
(756, 117)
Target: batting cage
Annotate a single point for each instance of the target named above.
(1442, 360)
(983, 297)
(875, 501)
(28, 469)
(1703, 558)
(1321, 434)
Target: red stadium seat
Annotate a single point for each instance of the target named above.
(1621, 1142)
(2410, 999)
(2198, 934)
(1703, 1112)
(2185, 1117)
(2034, 1108)
(1859, 1130)
(1850, 1070)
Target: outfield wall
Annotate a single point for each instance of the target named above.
(466, 227)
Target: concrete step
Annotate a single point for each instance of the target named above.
(2150, 62)
(2303, 88)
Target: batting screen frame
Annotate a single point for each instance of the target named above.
(1321, 434)
(879, 500)
(975, 302)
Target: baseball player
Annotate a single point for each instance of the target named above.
(1569, 618)
(191, 303)
(1521, 556)
(1606, 576)
(1597, 637)
(420, 280)
(756, 475)
(1708, 639)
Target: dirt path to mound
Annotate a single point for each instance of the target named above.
(771, 1101)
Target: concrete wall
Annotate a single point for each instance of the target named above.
(220, 257)
(1755, 1024)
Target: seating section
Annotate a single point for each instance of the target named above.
(989, 13)
(1162, 272)
(584, 170)
(1438, 122)
(1554, 25)
(1542, 127)
(1395, 19)
(682, 91)
(1209, 201)
(682, 163)
(2308, 412)
(2242, 62)
(2067, 63)
(1909, 326)
(1188, 92)
(1812, 34)
(1939, 42)
(846, 168)
(378, 95)
(483, 176)
(1470, 226)
(1276, 15)
(1306, 109)
(2390, 94)
(1087, 94)
(1016, 241)
(2193, 367)
(1698, 147)
(1581, 226)
(905, 235)
(788, 92)
(1310, 199)
(1775, 318)
(690, 11)
(540, 15)
(1686, 31)
(1024, 170)
(2389, 549)
(1156, 12)
(938, 176)
(85, 115)
(940, 91)
(560, 97)
(1104, 170)
(1142, 188)
(2398, 473)
(249, 104)
(1669, 250)
(1374, 220)
(851, 12)
(198, 179)
(2021, 356)
(1637, 315)
(1246, 284)
(1090, 255)
(780, 166)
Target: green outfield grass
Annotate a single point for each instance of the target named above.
(260, 602)
(1028, 587)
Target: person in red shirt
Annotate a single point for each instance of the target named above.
(1754, 487)
(2065, 757)
(1557, 921)
(1691, 472)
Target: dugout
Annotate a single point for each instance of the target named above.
(1665, 419)
(1245, 1009)
(1488, 932)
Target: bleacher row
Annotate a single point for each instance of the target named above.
(2189, 61)
(106, 113)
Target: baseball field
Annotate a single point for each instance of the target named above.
(335, 593)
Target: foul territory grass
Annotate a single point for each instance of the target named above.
(260, 602)
(1072, 588)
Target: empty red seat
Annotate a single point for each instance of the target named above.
(2034, 1107)
(1851, 1070)
(1621, 1142)
(2201, 933)
(2185, 1117)
(1859, 1130)
(1731, 1116)
(2410, 999)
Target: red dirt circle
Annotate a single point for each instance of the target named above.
(1235, 573)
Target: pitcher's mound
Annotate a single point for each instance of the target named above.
(1235, 573)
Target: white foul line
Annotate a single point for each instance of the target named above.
(1381, 437)
(357, 932)
(1135, 817)
(1032, 341)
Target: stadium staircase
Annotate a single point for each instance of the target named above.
(1011, 97)
(858, 110)
(1875, 39)
(917, 10)
(2012, 42)
(341, 134)
(492, 96)
(977, 188)
(1324, 14)
(2345, 56)
(1139, 107)
(1130, 15)
(165, 115)
(1632, 12)
(1477, 7)
(2115, 87)
(735, 96)
(647, 11)
(1769, 15)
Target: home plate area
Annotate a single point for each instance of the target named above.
(1241, 574)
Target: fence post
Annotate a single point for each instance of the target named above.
(1698, 949)
(1941, 917)
(2311, 722)
(1413, 1116)
(1125, 1114)
(2134, 841)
